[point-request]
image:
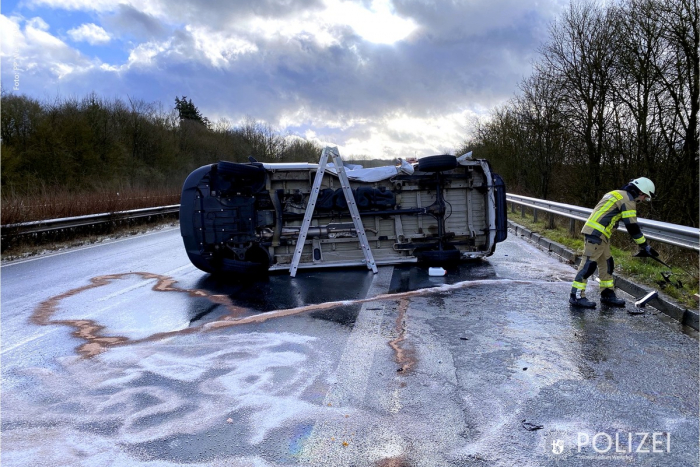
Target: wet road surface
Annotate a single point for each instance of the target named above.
(125, 354)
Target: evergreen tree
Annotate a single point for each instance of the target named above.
(188, 111)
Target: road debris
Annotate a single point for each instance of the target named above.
(531, 426)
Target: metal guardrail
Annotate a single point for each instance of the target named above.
(679, 235)
(25, 228)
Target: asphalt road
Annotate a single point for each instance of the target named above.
(124, 354)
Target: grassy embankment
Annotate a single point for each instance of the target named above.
(644, 271)
(57, 203)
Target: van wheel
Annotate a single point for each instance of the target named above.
(244, 268)
(439, 257)
(200, 263)
(255, 263)
(437, 163)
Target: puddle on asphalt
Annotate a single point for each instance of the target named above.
(93, 333)
(413, 277)
(96, 338)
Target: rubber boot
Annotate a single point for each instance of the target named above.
(608, 297)
(581, 302)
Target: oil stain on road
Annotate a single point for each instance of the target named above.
(96, 338)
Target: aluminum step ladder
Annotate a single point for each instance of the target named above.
(313, 196)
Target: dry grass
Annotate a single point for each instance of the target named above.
(58, 203)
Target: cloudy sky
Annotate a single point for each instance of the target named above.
(383, 78)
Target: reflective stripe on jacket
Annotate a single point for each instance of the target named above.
(616, 205)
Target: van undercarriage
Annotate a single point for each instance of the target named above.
(246, 218)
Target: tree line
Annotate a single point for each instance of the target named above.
(94, 143)
(614, 95)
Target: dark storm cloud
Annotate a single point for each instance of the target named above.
(359, 79)
(429, 74)
(274, 59)
(129, 21)
(224, 14)
(437, 68)
(455, 20)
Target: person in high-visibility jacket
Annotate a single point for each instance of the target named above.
(613, 207)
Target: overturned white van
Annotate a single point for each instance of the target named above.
(251, 218)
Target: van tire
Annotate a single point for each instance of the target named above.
(243, 268)
(437, 163)
(438, 257)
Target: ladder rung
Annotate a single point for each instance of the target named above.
(349, 198)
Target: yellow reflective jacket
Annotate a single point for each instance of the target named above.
(616, 205)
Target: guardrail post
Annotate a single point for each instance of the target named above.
(512, 208)
(534, 215)
(522, 210)
(550, 223)
(572, 227)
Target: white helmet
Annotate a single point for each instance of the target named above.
(645, 185)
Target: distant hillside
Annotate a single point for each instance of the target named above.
(93, 143)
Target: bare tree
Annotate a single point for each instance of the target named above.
(580, 56)
(265, 143)
(613, 97)
(679, 24)
(543, 131)
(638, 78)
